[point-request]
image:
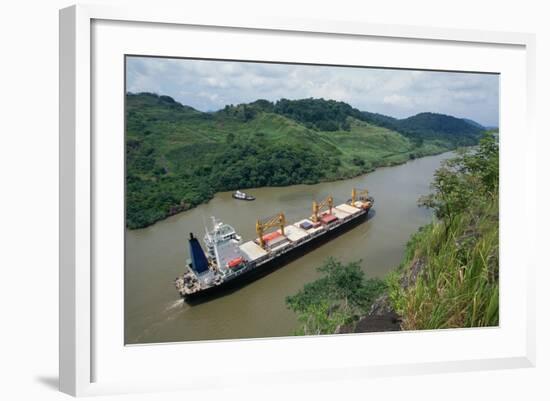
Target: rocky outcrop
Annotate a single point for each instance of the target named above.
(381, 316)
(412, 273)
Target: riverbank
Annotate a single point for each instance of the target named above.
(357, 171)
(448, 279)
(449, 276)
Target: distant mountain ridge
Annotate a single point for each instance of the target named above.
(331, 115)
(474, 123)
(429, 125)
(178, 157)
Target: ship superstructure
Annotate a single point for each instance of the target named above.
(228, 262)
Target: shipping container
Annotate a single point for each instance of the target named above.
(271, 236)
(306, 225)
(328, 218)
(235, 262)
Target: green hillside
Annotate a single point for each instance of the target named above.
(178, 157)
(430, 126)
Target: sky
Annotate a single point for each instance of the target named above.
(210, 85)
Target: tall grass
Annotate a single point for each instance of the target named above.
(457, 266)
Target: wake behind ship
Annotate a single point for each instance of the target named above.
(228, 263)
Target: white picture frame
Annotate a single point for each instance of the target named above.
(84, 328)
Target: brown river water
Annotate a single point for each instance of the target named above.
(156, 255)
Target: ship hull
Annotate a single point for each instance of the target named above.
(262, 270)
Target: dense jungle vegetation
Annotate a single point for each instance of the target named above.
(178, 157)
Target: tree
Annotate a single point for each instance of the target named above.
(465, 180)
(336, 298)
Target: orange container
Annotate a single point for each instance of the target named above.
(235, 262)
(271, 236)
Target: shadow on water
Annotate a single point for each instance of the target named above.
(371, 214)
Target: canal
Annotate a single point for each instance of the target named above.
(157, 254)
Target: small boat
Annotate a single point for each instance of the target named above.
(242, 196)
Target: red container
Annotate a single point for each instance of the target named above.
(328, 218)
(235, 262)
(271, 236)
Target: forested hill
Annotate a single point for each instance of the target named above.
(178, 157)
(422, 126)
(330, 115)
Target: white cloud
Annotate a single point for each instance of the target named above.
(398, 100)
(210, 85)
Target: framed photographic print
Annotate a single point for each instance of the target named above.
(294, 200)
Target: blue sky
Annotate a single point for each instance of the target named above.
(210, 85)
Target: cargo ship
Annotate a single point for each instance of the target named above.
(228, 263)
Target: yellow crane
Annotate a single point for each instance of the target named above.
(263, 224)
(359, 194)
(317, 206)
